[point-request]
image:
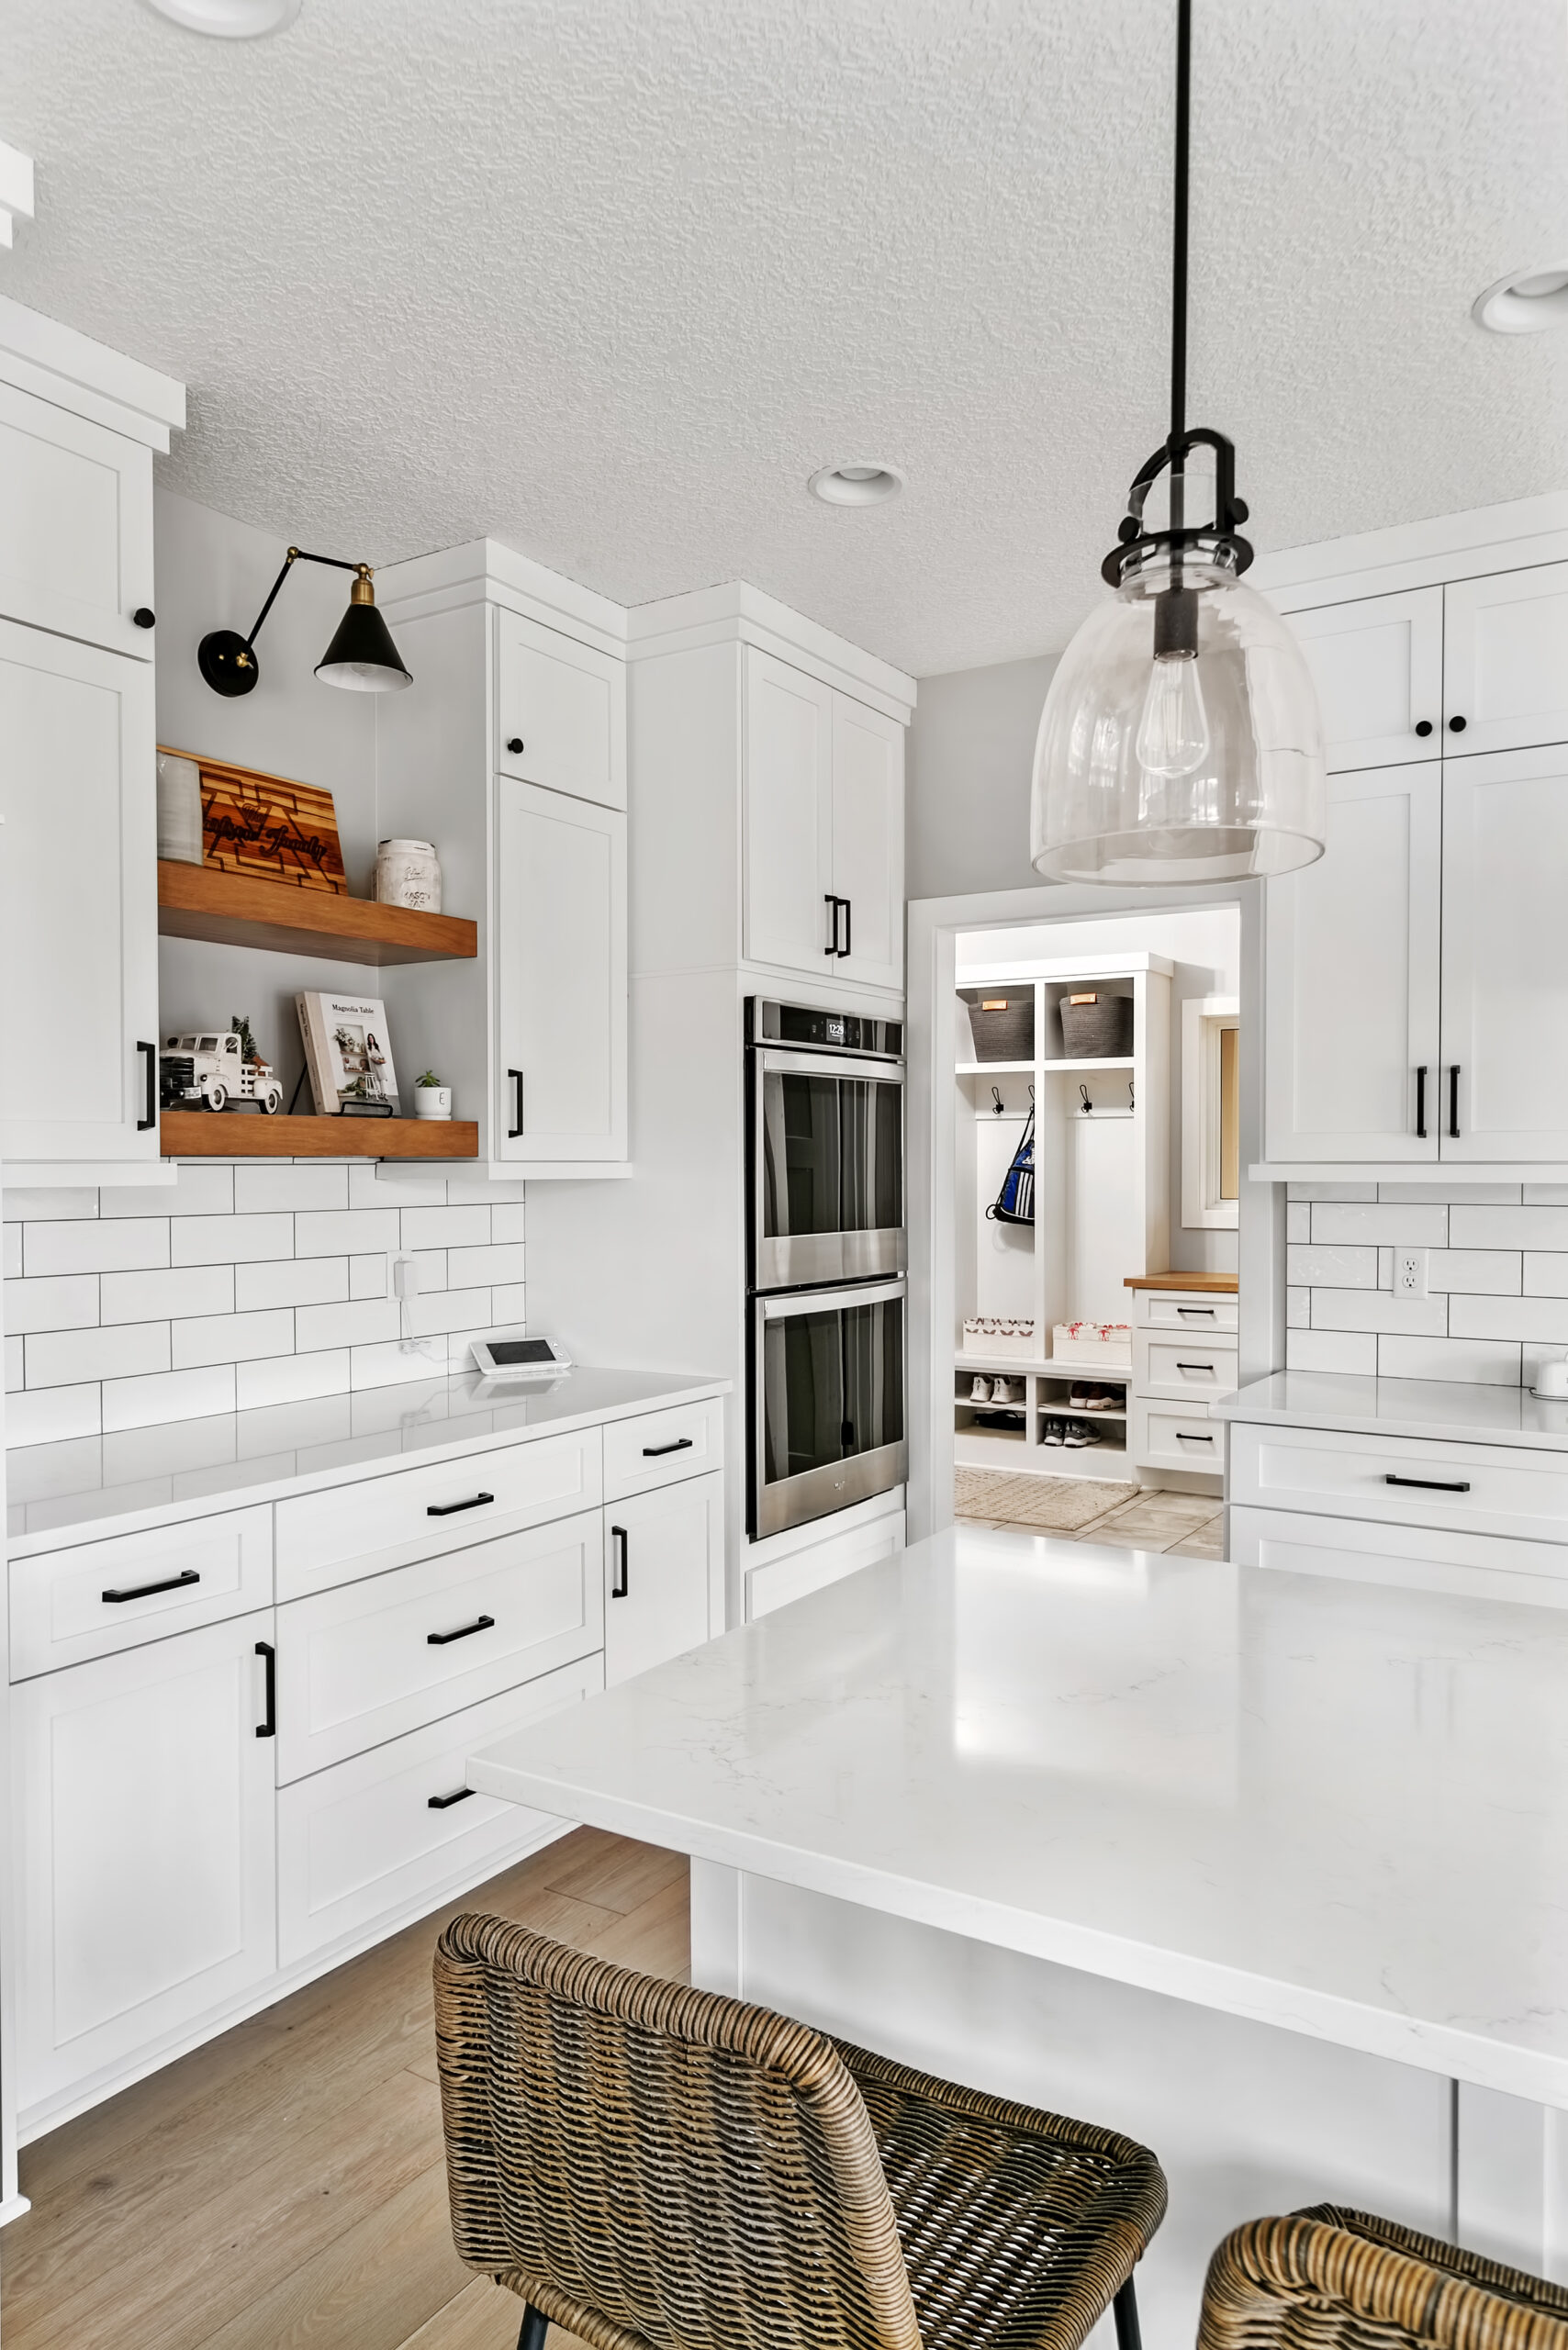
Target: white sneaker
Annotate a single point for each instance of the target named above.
(1007, 1391)
(981, 1392)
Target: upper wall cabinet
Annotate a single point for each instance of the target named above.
(560, 711)
(561, 975)
(823, 828)
(75, 525)
(1378, 667)
(1506, 660)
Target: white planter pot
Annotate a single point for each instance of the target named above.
(433, 1101)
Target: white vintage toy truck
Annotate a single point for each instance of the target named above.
(212, 1071)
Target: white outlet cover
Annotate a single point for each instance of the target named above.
(1410, 1272)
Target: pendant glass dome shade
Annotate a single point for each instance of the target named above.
(1198, 757)
(362, 655)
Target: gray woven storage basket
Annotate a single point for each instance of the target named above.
(1007, 1034)
(1100, 1030)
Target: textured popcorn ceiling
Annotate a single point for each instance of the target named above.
(608, 279)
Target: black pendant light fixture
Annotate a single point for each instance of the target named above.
(1181, 739)
(362, 655)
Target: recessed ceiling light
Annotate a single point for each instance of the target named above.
(227, 19)
(855, 485)
(1526, 301)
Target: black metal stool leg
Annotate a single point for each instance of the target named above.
(535, 2326)
(1125, 2306)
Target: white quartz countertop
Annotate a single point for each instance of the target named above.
(1334, 1806)
(1429, 1408)
(147, 1475)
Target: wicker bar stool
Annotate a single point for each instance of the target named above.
(657, 2168)
(1332, 2279)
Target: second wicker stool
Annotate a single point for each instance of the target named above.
(657, 2168)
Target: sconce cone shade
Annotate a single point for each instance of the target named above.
(1182, 769)
(362, 655)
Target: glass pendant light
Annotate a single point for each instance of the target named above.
(1181, 739)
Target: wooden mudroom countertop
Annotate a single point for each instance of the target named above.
(1219, 1284)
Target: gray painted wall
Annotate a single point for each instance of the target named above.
(971, 747)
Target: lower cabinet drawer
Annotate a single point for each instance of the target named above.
(1410, 1481)
(367, 1663)
(1178, 1369)
(379, 1835)
(662, 1448)
(1201, 1316)
(1480, 1566)
(1165, 1437)
(94, 1598)
(779, 1581)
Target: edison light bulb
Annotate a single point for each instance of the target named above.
(1173, 733)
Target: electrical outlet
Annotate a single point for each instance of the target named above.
(1410, 1272)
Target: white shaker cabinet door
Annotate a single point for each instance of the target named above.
(1506, 660)
(664, 1574)
(561, 989)
(867, 842)
(1378, 667)
(788, 817)
(560, 711)
(75, 525)
(1351, 961)
(1505, 1078)
(78, 902)
(143, 1835)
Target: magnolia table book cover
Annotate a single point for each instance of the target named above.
(348, 1054)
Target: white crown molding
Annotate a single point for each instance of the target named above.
(738, 614)
(485, 572)
(1417, 554)
(41, 356)
(16, 190)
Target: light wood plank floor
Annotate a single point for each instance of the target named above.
(283, 2188)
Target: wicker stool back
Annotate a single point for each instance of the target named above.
(1333, 2280)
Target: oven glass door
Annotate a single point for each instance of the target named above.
(829, 1403)
(827, 1169)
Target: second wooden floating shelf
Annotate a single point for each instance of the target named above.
(245, 1134)
(233, 910)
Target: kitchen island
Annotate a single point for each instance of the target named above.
(1266, 1870)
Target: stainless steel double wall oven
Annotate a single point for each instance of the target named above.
(824, 1171)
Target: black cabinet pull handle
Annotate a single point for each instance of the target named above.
(657, 1451)
(441, 1639)
(144, 616)
(1205, 1309)
(621, 1587)
(1431, 1485)
(269, 1727)
(1423, 727)
(1193, 1366)
(1421, 1103)
(450, 1509)
(1453, 1102)
(848, 905)
(1457, 725)
(514, 744)
(445, 1803)
(832, 903)
(150, 1119)
(1183, 1438)
(515, 1077)
(146, 1590)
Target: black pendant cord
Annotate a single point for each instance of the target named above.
(1179, 259)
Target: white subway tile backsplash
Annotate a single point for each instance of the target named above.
(1381, 1309)
(231, 1239)
(1333, 1268)
(203, 1187)
(347, 1233)
(480, 1268)
(1479, 1361)
(1326, 1190)
(358, 1323)
(461, 1188)
(290, 1378)
(23, 1204)
(13, 1363)
(371, 1276)
(1349, 1225)
(94, 1246)
(1546, 1195)
(230, 1338)
(451, 1309)
(11, 1252)
(1544, 1319)
(1298, 1309)
(176, 1396)
(463, 1227)
(1482, 1272)
(291, 1281)
(281, 1183)
(1298, 1222)
(1352, 1350)
(53, 1415)
(368, 1188)
(506, 1221)
(1445, 1194)
(1508, 1228)
(152, 1297)
(506, 1305)
(65, 1302)
(391, 1363)
(68, 1358)
(1546, 1275)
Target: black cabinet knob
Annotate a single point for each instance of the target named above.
(514, 743)
(1456, 725)
(144, 616)
(1423, 727)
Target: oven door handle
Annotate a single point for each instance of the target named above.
(790, 1303)
(777, 1061)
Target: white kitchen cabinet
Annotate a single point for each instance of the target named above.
(561, 977)
(75, 526)
(560, 711)
(664, 1574)
(823, 829)
(1505, 992)
(1506, 660)
(78, 903)
(1353, 978)
(144, 1841)
(1377, 663)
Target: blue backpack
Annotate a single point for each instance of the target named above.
(1015, 1204)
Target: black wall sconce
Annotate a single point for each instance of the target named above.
(361, 656)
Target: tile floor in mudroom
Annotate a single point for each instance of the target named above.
(1084, 1509)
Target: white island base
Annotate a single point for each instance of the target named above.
(1263, 1870)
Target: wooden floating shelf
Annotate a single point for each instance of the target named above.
(235, 910)
(246, 1134)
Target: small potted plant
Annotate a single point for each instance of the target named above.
(431, 1098)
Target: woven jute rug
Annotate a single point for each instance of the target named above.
(1059, 1504)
